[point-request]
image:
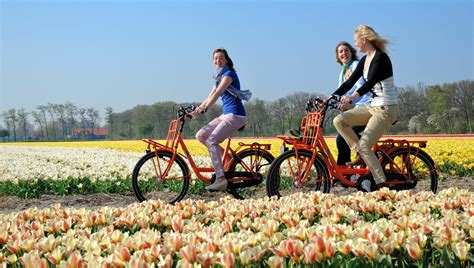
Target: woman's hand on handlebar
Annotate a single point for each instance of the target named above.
(198, 111)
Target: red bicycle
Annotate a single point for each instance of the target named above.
(163, 172)
(307, 163)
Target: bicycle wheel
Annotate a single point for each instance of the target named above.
(418, 167)
(256, 163)
(284, 176)
(150, 182)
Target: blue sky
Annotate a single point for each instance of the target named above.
(123, 53)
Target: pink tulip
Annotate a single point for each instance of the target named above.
(320, 245)
(414, 249)
(189, 253)
(387, 247)
(3, 237)
(310, 255)
(175, 242)
(344, 246)
(123, 253)
(177, 224)
(75, 261)
(166, 262)
(227, 260)
(139, 262)
(14, 246)
(206, 259)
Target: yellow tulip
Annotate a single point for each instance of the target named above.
(461, 249)
(387, 246)
(344, 246)
(415, 251)
(12, 259)
(372, 251)
(275, 262)
(56, 255)
(75, 260)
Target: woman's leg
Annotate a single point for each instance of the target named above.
(344, 122)
(382, 118)
(344, 152)
(227, 124)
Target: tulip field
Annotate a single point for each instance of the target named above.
(62, 168)
(380, 229)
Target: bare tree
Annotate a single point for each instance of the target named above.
(82, 115)
(109, 120)
(279, 110)
(60, 110)
(10, 119)
(50, 108)
(37, 119)
(93, 115)
(71, 111)
(43, 109)
(464, 100)
(23, 122)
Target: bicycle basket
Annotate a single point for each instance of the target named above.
(172, 133)
(310, 126)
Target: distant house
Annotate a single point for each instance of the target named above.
(97, 133)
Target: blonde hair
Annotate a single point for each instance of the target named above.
(368, 33)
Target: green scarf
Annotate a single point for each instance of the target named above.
(346, 66)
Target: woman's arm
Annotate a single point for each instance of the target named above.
(380, 69)
(358, 72)
(214, 94)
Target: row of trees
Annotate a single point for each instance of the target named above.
(445, 108)
(51, 122)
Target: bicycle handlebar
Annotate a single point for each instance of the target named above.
(185, 111)
(315, 104)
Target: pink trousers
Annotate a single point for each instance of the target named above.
(216, 132)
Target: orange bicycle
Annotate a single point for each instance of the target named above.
(162, 173)
(307, 163)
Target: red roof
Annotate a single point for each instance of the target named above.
(98, 131)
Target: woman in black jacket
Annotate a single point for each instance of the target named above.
(376, 69)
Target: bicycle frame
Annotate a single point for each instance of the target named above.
(313, 141)
(175, 141)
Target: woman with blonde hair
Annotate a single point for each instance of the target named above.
(376, 69)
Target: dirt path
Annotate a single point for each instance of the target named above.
(95, 201)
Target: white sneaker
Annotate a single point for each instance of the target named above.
(218, 186)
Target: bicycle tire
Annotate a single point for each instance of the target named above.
(147, 185)
(251, 159)
(284, 165)
(420, 166)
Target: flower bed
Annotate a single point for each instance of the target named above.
(379, 229)
(30, 169)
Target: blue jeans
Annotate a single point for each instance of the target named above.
(344, 154)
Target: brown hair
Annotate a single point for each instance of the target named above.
(368, 33)
(230, 64)
(351, 48)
